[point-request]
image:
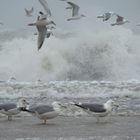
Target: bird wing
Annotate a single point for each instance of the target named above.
(32, 9)
(41, 109)
(92, 107)
(75, 8)
(29, 11)
(8, 106)
(41, 35)
(45, 6)
(119, 18)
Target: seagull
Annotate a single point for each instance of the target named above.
(29, 12)
(46, 7)
(11, 80)
(11, 109)
(120, 21)
(48, 32)
(75, 12)
(42, 29)
(98, 110)
(106, 16)
(45, 112)
(42, 15)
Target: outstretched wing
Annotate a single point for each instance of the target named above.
(45, 6)
(92, 107)
(75, 8)
(119, 18)
(41, 35)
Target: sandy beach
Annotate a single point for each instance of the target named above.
(70, 128)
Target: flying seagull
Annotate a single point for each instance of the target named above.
(75, 11)
(48, 31)
(29, 12)
(98, 110)
(42, 15)
(45, 112)
(106, 16)
(120, 21)
(46, 7)
(11, 109)
(41, 25)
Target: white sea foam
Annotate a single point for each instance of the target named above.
(107, 54)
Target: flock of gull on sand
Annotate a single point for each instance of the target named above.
(45, 112)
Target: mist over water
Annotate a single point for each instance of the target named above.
(86, 54)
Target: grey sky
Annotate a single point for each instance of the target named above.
(13, 15)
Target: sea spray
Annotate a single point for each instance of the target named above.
(86, 54)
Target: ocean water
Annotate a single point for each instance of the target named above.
(87, 65)
(85, 54)
(125, 93)
(72, 67)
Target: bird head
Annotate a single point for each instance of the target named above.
(22, 103)
(111, 104)
(40, 12)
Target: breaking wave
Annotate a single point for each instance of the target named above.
(85, 54)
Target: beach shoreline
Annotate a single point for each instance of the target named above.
(70, 128)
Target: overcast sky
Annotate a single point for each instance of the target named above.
(12, 12)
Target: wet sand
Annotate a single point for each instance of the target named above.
(70, 128)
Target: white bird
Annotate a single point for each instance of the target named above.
(42, 15)
(98, 110)
(106, 16)
(11, 80)
(42, 29)
(75, 12)
(11, 109)
(29, 12)
(120, 21)
(45, 112)
(46, 7)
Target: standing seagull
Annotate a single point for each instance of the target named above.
(11, 109)
(45, 112)
(98, 110)
(120, 21)
(42, 29)
(46, 7)
(75, 11)
(29, 12)
(106, 16)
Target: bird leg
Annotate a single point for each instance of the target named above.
(9, 118)
(45, 121)
(98, 120)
